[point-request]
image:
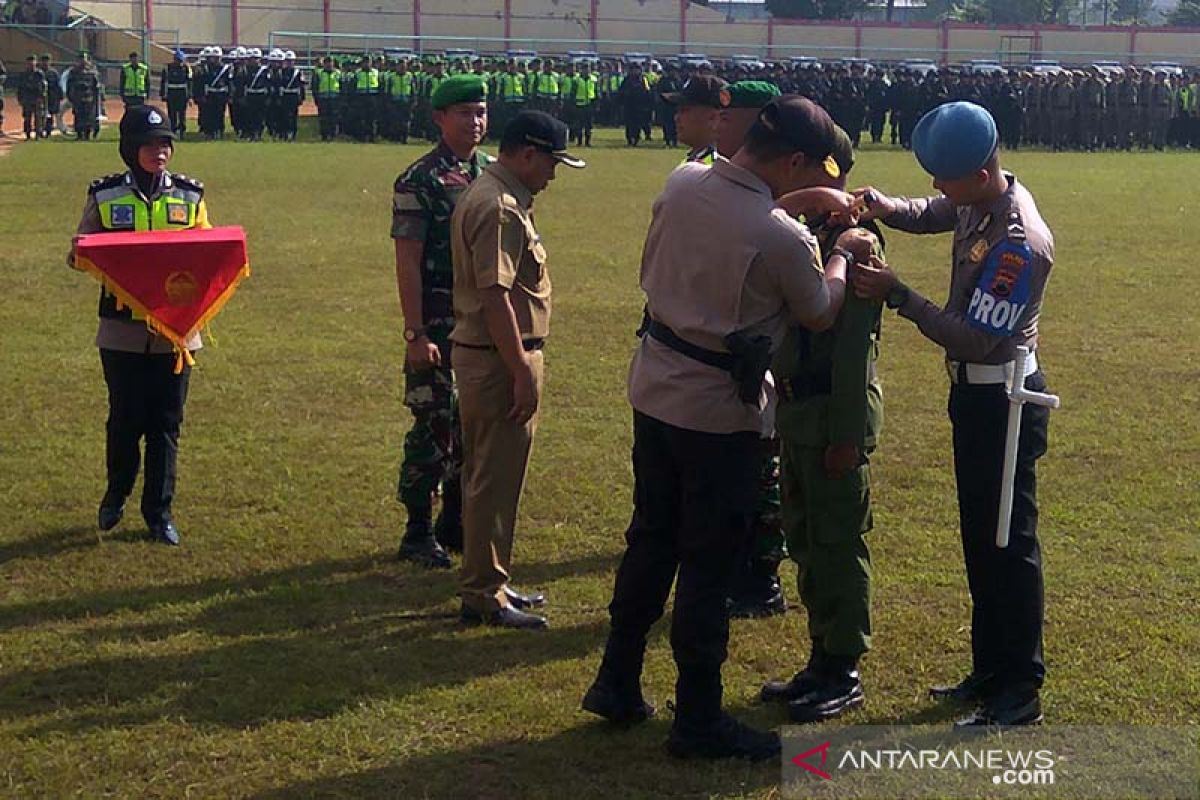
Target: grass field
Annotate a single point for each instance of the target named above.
(282, 652)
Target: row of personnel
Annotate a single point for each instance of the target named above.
(764, 290)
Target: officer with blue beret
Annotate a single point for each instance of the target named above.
(1001, 259)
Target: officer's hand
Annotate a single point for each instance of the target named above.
(423, 354)
(860, 242)
(525, 395)
(840, 459)
(873, 281)
(874, 204)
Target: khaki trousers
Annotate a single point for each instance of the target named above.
(495, 460)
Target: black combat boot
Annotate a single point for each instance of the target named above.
(840, 690)
(723, 738)
(448, 530)
(618, 701)
(801, 684)
(757, 591)
(419, 545)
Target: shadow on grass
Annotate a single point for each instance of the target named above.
(405, 588)
(301, 643)
(592, 759)
(57, 541)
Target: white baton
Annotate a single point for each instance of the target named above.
(1018, 396)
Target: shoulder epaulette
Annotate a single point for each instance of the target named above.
(107, 182)
(187, 183)
(1016, 228)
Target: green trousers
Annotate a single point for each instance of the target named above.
(824, 522)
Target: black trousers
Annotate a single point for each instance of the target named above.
(1006, 585)
(177, 111)
(693, 504)
(145, 401)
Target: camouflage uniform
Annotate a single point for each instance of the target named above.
(424, 199)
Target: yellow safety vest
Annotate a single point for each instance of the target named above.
(135, 79)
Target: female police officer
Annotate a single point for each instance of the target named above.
(146, 391)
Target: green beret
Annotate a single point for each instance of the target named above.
(749, 94)
(843, 149)
(464, 88)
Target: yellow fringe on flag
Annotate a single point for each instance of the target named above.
(179, 343)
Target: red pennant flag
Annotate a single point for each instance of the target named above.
(177, 280)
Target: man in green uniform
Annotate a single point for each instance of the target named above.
(327, 87)
(828, 420)
(424, 199)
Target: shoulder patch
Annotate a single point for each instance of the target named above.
(107, 182)
(187, 183)
(1004, 289)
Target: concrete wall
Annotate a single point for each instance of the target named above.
(620, 25)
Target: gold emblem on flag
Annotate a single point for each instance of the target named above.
(181, 288)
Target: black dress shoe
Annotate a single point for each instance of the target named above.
(522, 601)
(839, 691)
(506, 617)
(425, 551)
(1012, 707)
(725, 738)
(110, 514)
(972, 689)
(623, 708)
(165, 533)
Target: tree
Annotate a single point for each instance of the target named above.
(1186, 13)
(1135, 12)
(815, 9)
(1004, 12)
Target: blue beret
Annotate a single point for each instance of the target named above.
(954, 140)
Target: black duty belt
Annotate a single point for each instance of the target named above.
(664, 334)
(529, 345)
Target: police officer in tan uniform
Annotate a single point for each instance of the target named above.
(695, 385)
(1001, 259)
(501, 320)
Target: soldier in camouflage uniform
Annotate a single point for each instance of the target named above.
(425, 195)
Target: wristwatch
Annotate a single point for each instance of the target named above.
(844, 253)
(412, 334)
(896, 296)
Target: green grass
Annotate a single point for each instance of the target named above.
(283, 652)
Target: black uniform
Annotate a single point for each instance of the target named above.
(83, 92)
(211, 87)
(175, 89)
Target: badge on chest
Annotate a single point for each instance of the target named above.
(177, 214)
(122, 216)
(979, 251)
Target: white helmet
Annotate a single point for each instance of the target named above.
(238, 52)
(254, 52)
(205, 51)
(216, 51)
(289, 55)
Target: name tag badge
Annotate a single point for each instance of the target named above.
(978, 251)
(177, 214)
(122, 216)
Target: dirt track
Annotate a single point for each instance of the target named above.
(113, 108)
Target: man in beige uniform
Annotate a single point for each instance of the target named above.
(725, 271)
(501, 320)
